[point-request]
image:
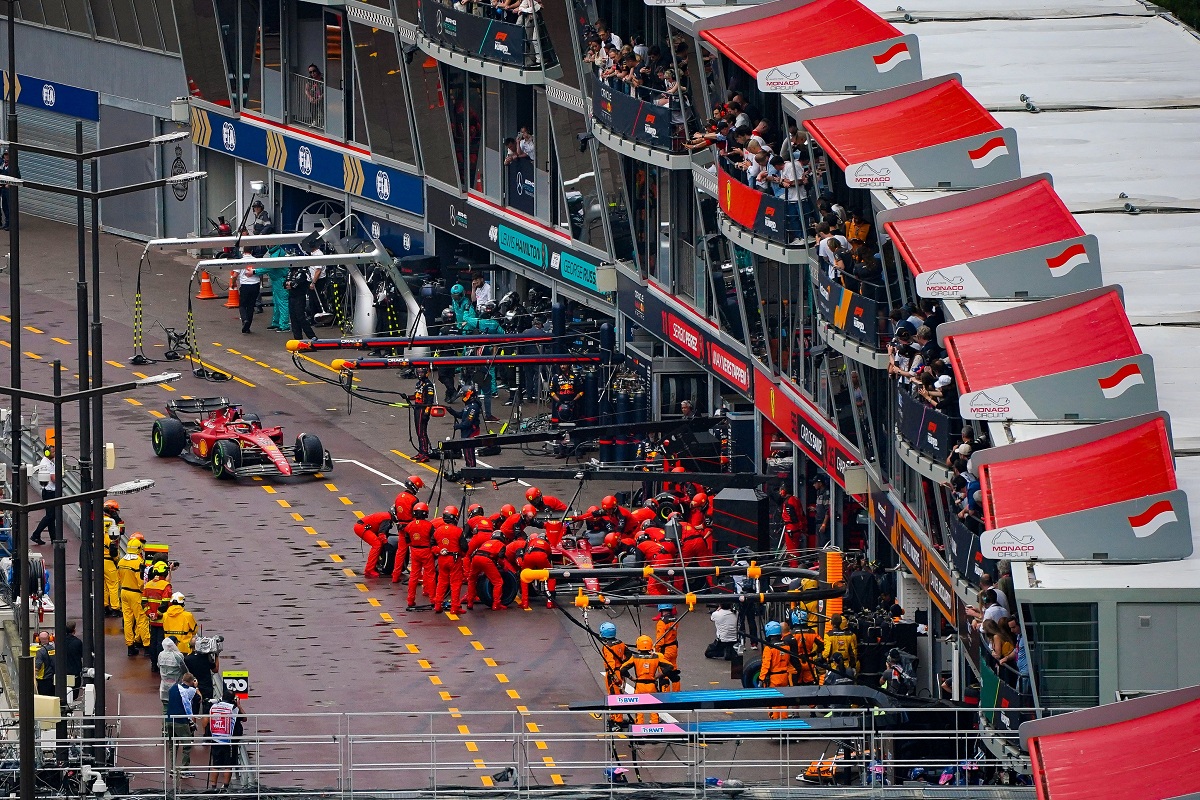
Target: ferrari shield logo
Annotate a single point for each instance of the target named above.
(203, 447)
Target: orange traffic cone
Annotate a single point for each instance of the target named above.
(233, 301)
(206, 292)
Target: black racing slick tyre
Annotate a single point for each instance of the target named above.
(226, 458)
(508, 593)
(750, 671)
(308, 450)
(168, 437)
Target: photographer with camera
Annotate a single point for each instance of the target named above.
(204, 662)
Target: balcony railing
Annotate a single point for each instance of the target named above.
(479, 33)
(306, 101)
(650, 116)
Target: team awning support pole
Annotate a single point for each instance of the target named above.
(381, 342)
(458, 361)
(751, 571)
(584, 600)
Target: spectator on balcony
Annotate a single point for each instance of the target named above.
(740, 118)
(607, 37)
(314, 94)
(857, 228)
(593, 57)
(1004, 584)
(824, 236)
(528, 17)
(514, 151)
(771, 179)
(1019, 657)
(796, 179)
(930, 350)
(997, 638)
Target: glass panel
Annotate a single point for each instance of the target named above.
(102, 18)
(465, 97)
(56, 15)
(1064, 647)
(429, 113)
(271, 58)
(406, 10)
(127, 28)
(493, 177)
(578, 176)
(200, 46)
(77, 16)
(612, 187)
(556, 25)
(359, 132)
(148, 24)
(166, 21)
(253, 65)
(381, 80)
(333, 50)
(31, 11)
(542, 154)
(239, 33)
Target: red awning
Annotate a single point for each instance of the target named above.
(1125, 466)
(798, 34)
(1093, 332)
(1029, 217)
(943, 113)
(1151, 757)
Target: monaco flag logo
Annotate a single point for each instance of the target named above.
(988, 152)
(889, 59)
(1067, 260)
(1149, 521)
(1121, 381)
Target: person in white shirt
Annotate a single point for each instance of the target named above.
(607, 37)
(249, 285)
(527, 17)
(481, 290)
(48, 481)
(824, 237)
(725, 621)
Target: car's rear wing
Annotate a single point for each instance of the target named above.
(199, 405)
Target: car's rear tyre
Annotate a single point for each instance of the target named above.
(226, 458)
(309, 451)
(168, 437)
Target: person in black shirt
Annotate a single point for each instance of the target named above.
(72, 647)
(422, 400)
(565, 390)
(299, 281)
(469, 421)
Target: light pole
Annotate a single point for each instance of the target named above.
(90, 397)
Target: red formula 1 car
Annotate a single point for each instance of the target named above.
(216, 434)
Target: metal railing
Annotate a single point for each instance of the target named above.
(521, 754)
(306, 101)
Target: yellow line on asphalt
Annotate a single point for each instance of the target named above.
(445, 696)
(558, 779)
(248, 358)
(269, 489)
(261, 364)
(331, 487)
(412, 648)
(362, 587)
(32, 329)
(60, 341)
(277, 370)
(322, 543)
(454, 712)
(33, 355)
(548, 761)
(132, 402)
(452, 617)
(540, 745)
(512, 693)
(310, 531)
(418, 463)
(533, 727)
(283, 503)
(479, 762)
(158, 414)
(9, 346)
(373, 602)
(464, 630)
(230, 349)
(491, 662)
(477, 645)
(215, 368)
(346, 501)
(423, 664)
(336, 558)
(500, 676)
(435, 680)
(521, 709)
(487, 780)
(464, 730)
(4, 318)
(297, 517)
(359, 514)
(398, 631)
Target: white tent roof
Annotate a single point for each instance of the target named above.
(1016, 9)
(1102, 61)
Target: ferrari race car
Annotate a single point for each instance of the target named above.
(214, 433)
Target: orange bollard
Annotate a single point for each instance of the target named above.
(206, 290)
(233, 302)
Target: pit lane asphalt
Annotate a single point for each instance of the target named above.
(273, 564)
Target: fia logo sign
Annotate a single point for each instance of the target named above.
(48, 96)
(229, 136)
(374, 230)
(383, 185)
(407, 241)
(305, 160)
